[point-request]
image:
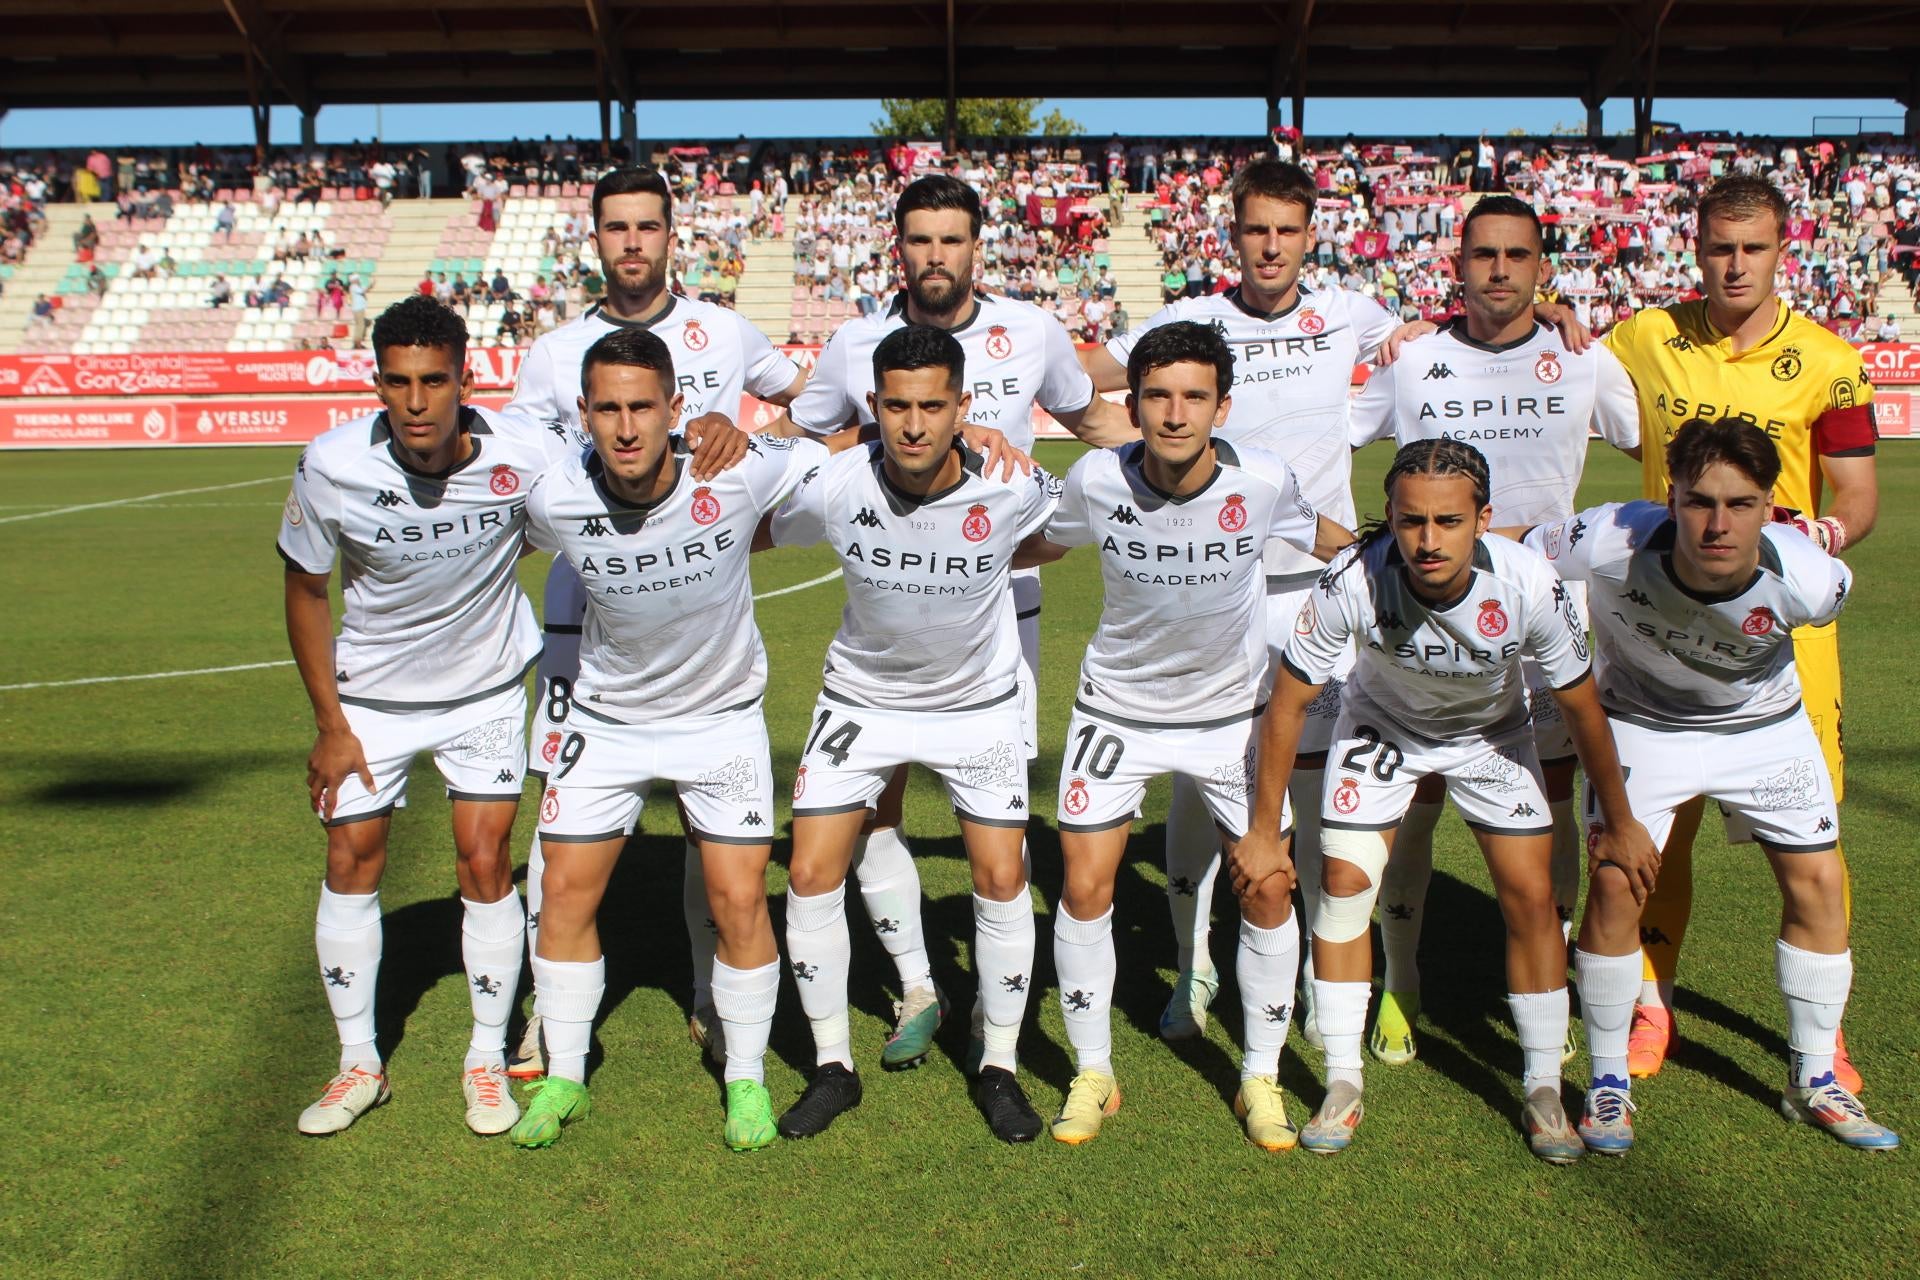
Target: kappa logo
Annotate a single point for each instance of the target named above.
(1183, 886)
(1654, 937)
(1437, 372)
(1825, 824)
(1390, 621)
(533, 919)
(866, 519)
(485, 985)
(387, 498)
(998, 344)
(886, 924)
(1124, 514)
(1017, 802)
(803, 971)
(1680, 342)
(339, 976)
(505, 775)
(1399, 911)
(1076, 1000)
(705, 508)
(1524, 810)
(976, 526)
(1278, 1013)
(1579, 531)
(1547, 368)
(753, 819)
(1786, 366)
(1638, 597)
(1015, 982)
(594, 527)
(694, 336)
(1312, 325)
(1233, 513)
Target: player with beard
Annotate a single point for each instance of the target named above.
(718, 355)
(1499, 379)
(1018, 358)
(1441, 618)
(1741, 352)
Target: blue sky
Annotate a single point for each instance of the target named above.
(844, 117)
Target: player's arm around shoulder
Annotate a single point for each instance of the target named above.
(800, 519)
(1068, 522)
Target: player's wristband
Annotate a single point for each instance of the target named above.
(1834, 540)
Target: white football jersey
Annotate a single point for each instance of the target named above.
(1670, 659)
(434, 614)
(1017, 356)
(1292, 384)
(717, 355)
(669, 627)
(1446, 672)
(1182, 638)
(1526, 405)
(929, 621)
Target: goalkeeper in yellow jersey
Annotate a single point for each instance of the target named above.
(1741, 352)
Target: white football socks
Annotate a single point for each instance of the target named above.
(1193, 865)
(1815, 987)
(1540, 1020)
(347, 937)
(818, 952)
(1608, 986)
(890, 888)
(744, 1000)
(1341, 1008)
(492, 936)
(1083, 962)
(1267, 965)
(566, 995)
(1003, 942)
(1403, 896)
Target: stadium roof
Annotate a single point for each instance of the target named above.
(134, 53)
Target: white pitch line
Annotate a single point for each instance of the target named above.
(287, 662)
(145, 497)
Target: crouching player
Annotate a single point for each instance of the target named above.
(1442, 619)
(672, 671)
(1694, 607)
(1173, 683)
(424, 505)
(923, 670)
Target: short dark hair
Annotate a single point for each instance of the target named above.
(418, 321)
(1182, 342)
(1744, 196)
(1501, 207)
(937, 191)
(1276, 180)
(640, 348)
(920, 346)
(630, 179)
(1698, 443)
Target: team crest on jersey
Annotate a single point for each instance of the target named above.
(1553, 542)
(706, 507)
(1492, 620)
(1311, 324)
(1759, 622)
(694, 336)
(1076, 800)
(293, 509)
(1307, 619)
(1347, 798)
(1233, 516)
(550, 806)
(999, 345)
(550, 749)
(504, 480)
(1786, 366)
(800, 783)
(976, 526)
(1547, 368)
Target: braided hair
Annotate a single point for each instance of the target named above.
(1437, 457)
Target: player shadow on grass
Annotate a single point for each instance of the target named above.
(420, 948)
(1687, 1051)
(93, 782)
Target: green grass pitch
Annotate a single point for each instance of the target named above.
(164, 1024)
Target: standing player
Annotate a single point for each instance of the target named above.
(1017, 356)
(1442, 618)
(1173, 682)
(1504, 382)
(717, 356)
(672, 672)
(424, 505)
(924, 669)
(1294, 352)
(1740, 352)
(1694, 603)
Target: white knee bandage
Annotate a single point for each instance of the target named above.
(1344, 919)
